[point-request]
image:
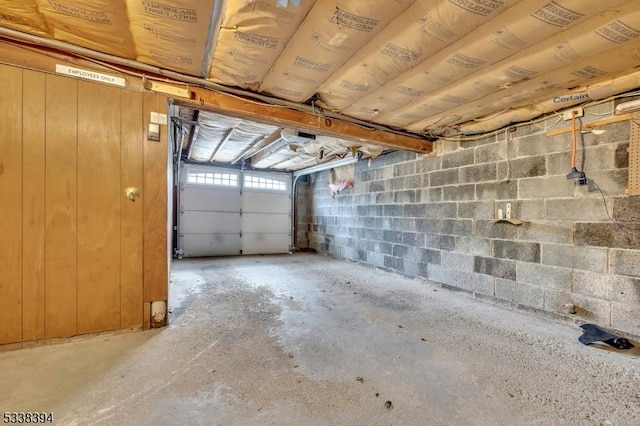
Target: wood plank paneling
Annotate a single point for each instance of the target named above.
(132, 220)
(61, 206)
(11, 204)
(33, 205)
(98, 207)
(154, 196)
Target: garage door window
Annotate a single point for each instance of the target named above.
(212, 179)
(257, 182)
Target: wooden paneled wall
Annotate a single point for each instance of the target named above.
(77, 256)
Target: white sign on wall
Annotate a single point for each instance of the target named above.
(90, 75)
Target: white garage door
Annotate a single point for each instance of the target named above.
(227, 212)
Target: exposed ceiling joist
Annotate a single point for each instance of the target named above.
(274, 146)
(245, 108)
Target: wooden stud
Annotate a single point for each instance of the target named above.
(285, 117)
(590, 125)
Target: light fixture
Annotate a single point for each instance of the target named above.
(626, 107)
(326, 166)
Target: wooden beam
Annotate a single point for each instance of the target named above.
(590, 125)
(272, 148)
(235, 106)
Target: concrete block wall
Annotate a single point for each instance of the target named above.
(435, 217)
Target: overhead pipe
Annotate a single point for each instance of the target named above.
(305, 172)
(184, 78)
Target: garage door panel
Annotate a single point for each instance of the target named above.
(262, 243)
(196, 245)
(221, 200)
(270, 223)
(265, 202)
(195, 222)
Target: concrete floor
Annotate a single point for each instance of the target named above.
(306, 340)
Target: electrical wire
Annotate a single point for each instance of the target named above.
(606, 208)
(573, 139)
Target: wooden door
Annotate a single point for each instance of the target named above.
(72, 249)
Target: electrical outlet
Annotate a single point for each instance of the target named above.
(568, 114)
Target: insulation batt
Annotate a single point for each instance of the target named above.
(23, 15)
(598, 34)
(251, 37)
(425, 28)
(593, 70)
(100, 25)
(337, 29)
(519, 27)
(173, 35)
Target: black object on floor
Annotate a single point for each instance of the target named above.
(593, 333)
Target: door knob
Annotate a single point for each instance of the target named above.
(132, 193)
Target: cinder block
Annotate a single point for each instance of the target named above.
(517, 250)
(404, 169)
(543, 275)
(376, 186)
(457, 226)
(413, 239)
(432, 226)
(593, 284)
(473, 245)
(502, 268)
(415, 210)
(384, 197)
(428, 255)
(405, 197)
(530, 209)
(447, 242)
(457, 159)
(527, 167)
(626, 209)
(376, 259)
(466, 279)
(394, 263)
(394, 184)
(490, 153)
(440, 210)
(505, 190)
(459, 192)
(559, 163)
(612, 182)
(539, 144)
(393, 210)
(444, 177)
(392, 236)
(414, 181)
(592, 309)
(601, 157)
(483, 284)
(625, 317)
(441, 274)
(546, 232)
(576, 209)
(382, 247)
(545, 187)
(428, 164)
(493, 229)
(606, 235)
(621, 160)
(430, 195)
(455, 260)
(585, 258)
(475, 210)
(625, 262)
(400, 250)
(478, 173)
